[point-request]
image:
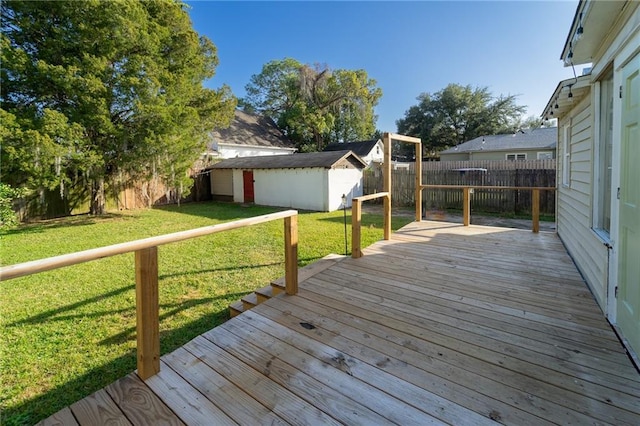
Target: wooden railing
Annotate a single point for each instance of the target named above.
(356, 220)
(146, 271)
(466, 199)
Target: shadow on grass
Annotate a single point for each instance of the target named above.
(41, 407)
(57, 314)
(223, 211)
(64, 222)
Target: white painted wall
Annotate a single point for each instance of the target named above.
(303, 189)
(575, 201)
(221, 182)
(233, 151)
(238, 188)
(343, 181)
(316, 189)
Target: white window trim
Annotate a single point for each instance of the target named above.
(547, 155)
(515, 155)
(566, 155)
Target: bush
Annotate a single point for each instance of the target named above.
(8, 217)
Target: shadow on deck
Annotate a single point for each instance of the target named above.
(441, 324)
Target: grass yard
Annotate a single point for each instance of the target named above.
(67, 333)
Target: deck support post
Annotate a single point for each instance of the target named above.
(386, 186)
(147, 312)
(535, 210)
(466, 206)
(356, 222)
(418, 177)
(291, 254)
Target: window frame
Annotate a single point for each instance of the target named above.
(566, 155)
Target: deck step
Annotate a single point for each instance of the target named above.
(236, 308)
(277, 286)
(264, 294)
(249, 301)
(309, 270)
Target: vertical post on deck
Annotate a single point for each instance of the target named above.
(386, 138)
(356, 218)
(147, 312)
(291, 254)
(535, 210)
(418, 169)
(466, 206)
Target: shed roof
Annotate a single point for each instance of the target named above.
(295, 161)
(251, 130)
(361, 148)
(543, 138)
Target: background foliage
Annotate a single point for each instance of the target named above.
(314, 105)
(96, 93)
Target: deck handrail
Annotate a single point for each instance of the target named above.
(356, 220)
(466, 199)
(146, 271)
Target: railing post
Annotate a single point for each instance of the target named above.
(466, 206)
(356, 219)
(291, 254)
(535, 210)
(147, 312)
(418, 180)
(387, 216)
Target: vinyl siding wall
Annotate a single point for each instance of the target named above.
(575, 201)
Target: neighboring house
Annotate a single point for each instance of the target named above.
(369, 151)
(249, 135)
(536, 144)
(599, 158)
(311, 181)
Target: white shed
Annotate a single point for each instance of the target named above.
(311, 181)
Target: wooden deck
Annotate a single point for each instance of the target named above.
(444, 324)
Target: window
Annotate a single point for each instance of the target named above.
(566, 155)
(545, 155)
(513, 157)
(603, 155)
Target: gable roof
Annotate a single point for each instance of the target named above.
(251, 130)
(361, 148)
(294, 161)
(542, 138)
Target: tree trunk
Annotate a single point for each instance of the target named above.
(97, 197)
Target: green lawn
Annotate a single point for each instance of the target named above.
(67, 333)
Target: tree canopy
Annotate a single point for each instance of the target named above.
(459, 113)
(314, 105)
(97, 91)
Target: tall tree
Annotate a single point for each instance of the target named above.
(314, 105)
(100, 90)
(459, 113)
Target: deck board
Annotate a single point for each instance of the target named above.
(443, 324)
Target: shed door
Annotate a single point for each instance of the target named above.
(628, 309)
(247, 184)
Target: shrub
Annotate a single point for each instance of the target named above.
(8, 217)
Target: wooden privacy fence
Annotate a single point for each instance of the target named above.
(146, 267)
(516, 200)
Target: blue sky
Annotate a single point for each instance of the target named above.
(511, 47)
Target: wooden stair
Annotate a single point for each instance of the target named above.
(277, 286)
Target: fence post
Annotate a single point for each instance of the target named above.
(147, 312)
(356, 218)
(466, 206)
(291, 254)
(535, 210)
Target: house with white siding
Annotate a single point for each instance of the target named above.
(599, 158)
(249, 135)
